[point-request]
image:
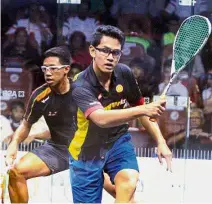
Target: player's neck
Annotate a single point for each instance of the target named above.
(62, 87)
(104, 78)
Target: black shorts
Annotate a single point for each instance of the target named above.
(55, 156)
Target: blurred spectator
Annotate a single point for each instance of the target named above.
(124, 10)
(192, 86)
(37, 74)
(123, 7)
(155, 7)
(206, 54)
(140, 28)
(21, 48)
(203, 80)
(176, 7)
(147, 82)
(38, 31)
(75, 69)
(131, 50)
(198, 137)
(165, 76)
(105, 17)
(198, 67)
(45, 16)
(207, 95)
(81, 22)
(207, 102)
(169, 37)
(177, 88)
(15, 117)
(6, 131)
(172, 26)
(79, 49)
(182, 86)
(138, 41)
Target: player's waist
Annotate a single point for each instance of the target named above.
(96, 149)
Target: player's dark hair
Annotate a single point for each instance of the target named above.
(107, 30)
(62, 52)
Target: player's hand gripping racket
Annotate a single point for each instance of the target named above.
(189, 40)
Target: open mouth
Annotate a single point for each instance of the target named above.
(49, 80)
(109, 66)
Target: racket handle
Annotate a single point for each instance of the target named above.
(154, 119)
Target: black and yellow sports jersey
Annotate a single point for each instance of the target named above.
(89, 96)
(58, 110)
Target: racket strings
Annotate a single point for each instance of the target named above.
(190, 38)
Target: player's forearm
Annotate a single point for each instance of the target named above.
(42, 136)
(153, 129)
(21, 133)
(112, 118)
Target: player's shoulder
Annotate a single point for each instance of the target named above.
(81, 79)
(41, 92)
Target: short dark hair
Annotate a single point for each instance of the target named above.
(107, 30)
(62, 52)
(15, 104)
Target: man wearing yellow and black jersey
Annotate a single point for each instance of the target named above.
(101, 142)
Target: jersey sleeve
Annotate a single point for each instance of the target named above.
(33, 110)
(86, 100)
(134, 96)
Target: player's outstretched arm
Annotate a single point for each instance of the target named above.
(20, 135)
(162, 150)
(111, 118)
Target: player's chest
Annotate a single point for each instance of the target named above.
(59, 107)
(113, 98)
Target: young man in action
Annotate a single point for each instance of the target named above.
(102, 143)
(54, 101)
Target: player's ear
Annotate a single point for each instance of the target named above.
(92, 51)
(67, 69)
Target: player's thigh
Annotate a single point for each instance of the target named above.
(86, 181)
(30, 166)
(55, 156)
(126, 178)
(122, 156)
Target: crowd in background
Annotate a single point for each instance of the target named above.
(31, 27)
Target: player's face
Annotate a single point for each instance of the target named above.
(54, 71)
(106, 55)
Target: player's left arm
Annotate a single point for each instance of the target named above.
(135, 98)
(162, 149)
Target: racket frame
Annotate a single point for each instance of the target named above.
(175, 74)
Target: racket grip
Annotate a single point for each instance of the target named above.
(154, 119)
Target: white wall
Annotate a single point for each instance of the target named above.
(190, 182)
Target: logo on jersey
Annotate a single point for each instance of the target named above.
(119, 88)
(44, 100)
(52, 113)
(99, 96)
